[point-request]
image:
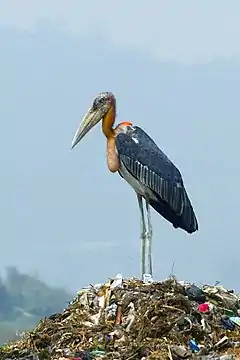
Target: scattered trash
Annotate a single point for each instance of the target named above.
(235, 320)
(193, 345)
(117, 282)
(195, 294)
(227, 323)
(203, 307)
(137, 320)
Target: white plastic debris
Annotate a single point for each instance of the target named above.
(235, 320)
(117, 282)
(111, 311)
(130, 317)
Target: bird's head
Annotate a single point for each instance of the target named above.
(100, 107)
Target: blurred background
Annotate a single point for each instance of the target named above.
(175, 70)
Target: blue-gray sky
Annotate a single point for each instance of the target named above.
(174, 67)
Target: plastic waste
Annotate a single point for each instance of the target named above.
(227, 323)
(193, 345)
(203, 308)
(117, 282)
(125, 319)
(222, 342)
(196, 294)
(130, 318)
(235, 320)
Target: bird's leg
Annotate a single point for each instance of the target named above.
(149, 239)
(143, 236)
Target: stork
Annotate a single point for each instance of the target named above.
(151, 174)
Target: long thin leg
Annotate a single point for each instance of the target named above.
(143, 235)
(149, 239)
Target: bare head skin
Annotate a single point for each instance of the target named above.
(103, 108)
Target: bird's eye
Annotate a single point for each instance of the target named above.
(98, 101)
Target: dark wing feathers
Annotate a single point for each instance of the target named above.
(166, 189)
(149, 165)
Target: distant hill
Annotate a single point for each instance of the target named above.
(24, 300)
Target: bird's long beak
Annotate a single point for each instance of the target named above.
(91, 118)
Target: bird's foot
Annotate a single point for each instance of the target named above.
(148, 278)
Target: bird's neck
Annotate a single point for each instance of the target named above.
(108, 121)
(109, 132)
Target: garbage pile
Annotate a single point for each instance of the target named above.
(131, 320)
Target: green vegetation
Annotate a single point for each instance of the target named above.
(24, 300)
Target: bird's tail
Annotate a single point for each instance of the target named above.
(186, 221)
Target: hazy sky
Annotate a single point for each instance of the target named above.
(183, 30)
(63, 214)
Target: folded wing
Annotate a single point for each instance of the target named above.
(152, 168)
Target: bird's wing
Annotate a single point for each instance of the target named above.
(149, 165)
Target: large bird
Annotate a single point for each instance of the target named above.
(137, 158)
